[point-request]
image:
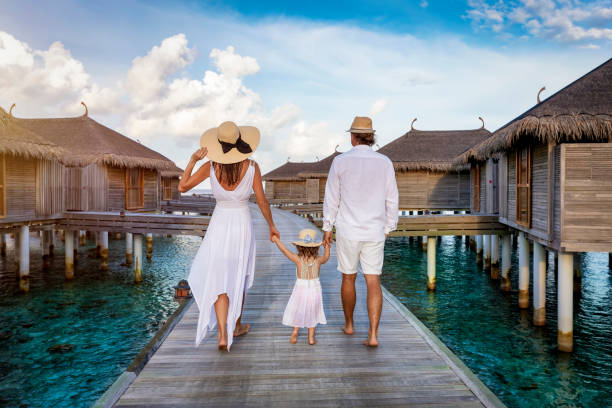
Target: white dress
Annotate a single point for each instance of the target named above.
(225, 261)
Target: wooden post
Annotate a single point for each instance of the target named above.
(2, 244)
(486, 244)
(69, 253)
(539, 284)
(149, 238)
(506, 262)
(44, 244)
(24, 258)
(104, 250)
(479, 250)
(424, 243)
(129, 239)
(577, 272)
(77, 239)
(97, 239)
(523, 247)
(82, 238)
(565, 302)
(51, 242)
(117, 235)
(431, 263)
(494, 257)
(16, 241)
(137, 257)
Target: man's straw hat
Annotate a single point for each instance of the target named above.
(230, 143)
(306, 238)
(361, 124)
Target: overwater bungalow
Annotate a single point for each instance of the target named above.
(554, 184)
(318, 172)
(169, 180)
(285, 186)
(427, 178)
(105, 170)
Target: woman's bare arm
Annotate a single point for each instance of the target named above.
(188, 180)
(290, 255)
(263, 204)
(325, 257)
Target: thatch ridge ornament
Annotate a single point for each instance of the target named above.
(11, 110)
(86, 110)
(482, 120)
(539, 92)
(336, 148)
(412, 124)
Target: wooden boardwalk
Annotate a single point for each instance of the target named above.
(264, 369)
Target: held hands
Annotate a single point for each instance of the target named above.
(199, 154)
(328, 238)
(274, 234)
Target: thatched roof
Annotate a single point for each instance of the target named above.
(288, 171)
(174, 172)
(19, 141)
(432, 150)
(582, 111)
(320, 168)
(87, 141)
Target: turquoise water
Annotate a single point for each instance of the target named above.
(105, 317)
(485, 328)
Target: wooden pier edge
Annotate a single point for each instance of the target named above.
(121, 384)
(482, 392)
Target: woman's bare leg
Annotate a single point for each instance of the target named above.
(221, 308)
(294, 335)
(311, 336)
(241, 328)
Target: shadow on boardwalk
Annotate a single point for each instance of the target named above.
(410, 368)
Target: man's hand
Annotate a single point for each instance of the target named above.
(274, 233)
(328, 237)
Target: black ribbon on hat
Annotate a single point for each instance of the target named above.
(240, 145)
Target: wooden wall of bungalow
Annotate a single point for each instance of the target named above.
(484, 187)
(433, 190)
(284, 185)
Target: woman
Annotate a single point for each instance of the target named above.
(224, 266)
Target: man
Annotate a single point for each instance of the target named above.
(361, 200)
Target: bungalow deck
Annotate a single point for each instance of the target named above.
(411, 367)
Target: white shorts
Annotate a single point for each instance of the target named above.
(350, 253)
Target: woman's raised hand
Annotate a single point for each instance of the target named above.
(199, 154)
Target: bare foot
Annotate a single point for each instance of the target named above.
(370, 343)
(312, 341)
(222, 346)
(241, 330)
(294, 336)
(311, 336)
(348, 330)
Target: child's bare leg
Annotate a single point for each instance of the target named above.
(294, 335)
(311, 336)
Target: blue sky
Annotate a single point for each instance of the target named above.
(300, 71)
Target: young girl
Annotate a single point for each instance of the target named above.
(305, 307)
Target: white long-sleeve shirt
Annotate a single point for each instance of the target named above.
(361, 197)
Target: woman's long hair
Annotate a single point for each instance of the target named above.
(228, 174)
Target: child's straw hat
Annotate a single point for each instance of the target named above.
(306, 238)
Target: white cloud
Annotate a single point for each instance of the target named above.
(424, 3)
(566, 21)
(51, 78)
(309, 140)
(378, 106)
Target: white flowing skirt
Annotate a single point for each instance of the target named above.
(305, 306)
(224, 263)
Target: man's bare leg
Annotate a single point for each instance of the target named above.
(349, 297)
(241, 328)
(374, 308)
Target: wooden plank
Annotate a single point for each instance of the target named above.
(264, 369)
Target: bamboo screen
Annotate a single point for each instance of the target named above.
(166, 188)
(134, 188)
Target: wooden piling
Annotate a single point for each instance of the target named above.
(424, 243)
(523, 247)
(69, 253)
(565, 302)
(82, 238)
(3, 245)
(479, 250)
(51, 243)
(24, 258)
(149, 239)
(77, 239)
(44, 245)
(506, 262)
(129, 240)
(486, 244)
(118, 235)
(577, 272)
(137, 257)
(494, 257)
(431, 263)
(539, 284)
(104, 250)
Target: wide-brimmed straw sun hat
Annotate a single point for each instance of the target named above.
(306, 238)
(230, 143)
(361, 124)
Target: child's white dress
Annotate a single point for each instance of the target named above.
(305, 306)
